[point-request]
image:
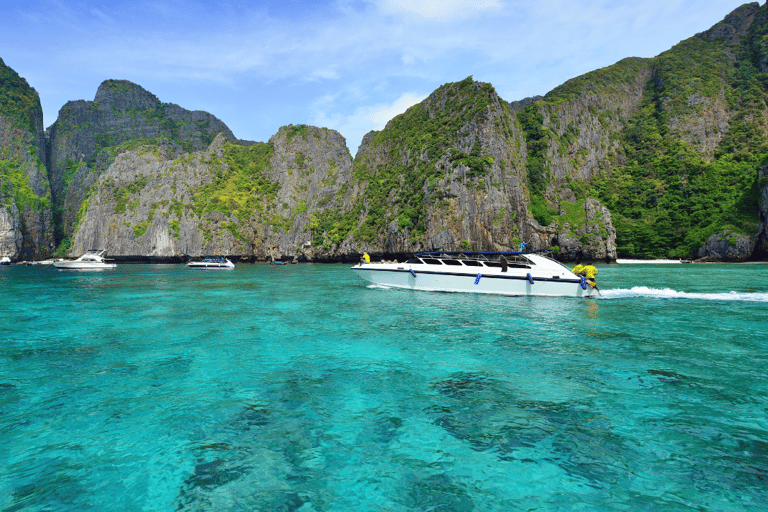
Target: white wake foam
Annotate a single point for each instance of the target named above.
(667, 293)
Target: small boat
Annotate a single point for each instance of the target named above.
(501, 273)
(91, 260)
(212, 264)
(5, 260)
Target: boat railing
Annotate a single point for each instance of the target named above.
(494, 258)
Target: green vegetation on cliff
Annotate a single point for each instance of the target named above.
(240, 186)
(15, 187)
(674, 178)
(537, 137)
(421, 147)
(19, 104)
(88, 136)
(669, 198)
(18, 101)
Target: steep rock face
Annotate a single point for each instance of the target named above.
(10, 231)
(761, 245)
(593, 240)
(25, 205)
(88, 135)
(249, 202)
(447, 174)
(698, 107)
(726, 246)
(670, 145)
(585, 115)
(451, 174)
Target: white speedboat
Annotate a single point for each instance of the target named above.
(91, 260)
(212, 264)
(5, 260)
(502, 273)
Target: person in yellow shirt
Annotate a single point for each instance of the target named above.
(589, 272)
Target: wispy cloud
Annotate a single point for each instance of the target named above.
(440, 10)
(329, 111)
(345, 64)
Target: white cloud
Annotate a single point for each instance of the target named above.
(381, 114)
(363, 53)
(364, 119)
(441, 10)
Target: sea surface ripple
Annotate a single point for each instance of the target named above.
(298, 387)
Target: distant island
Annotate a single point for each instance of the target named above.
(659, 158)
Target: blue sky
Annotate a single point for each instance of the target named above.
(350, 65)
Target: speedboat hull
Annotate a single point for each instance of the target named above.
(79, 265)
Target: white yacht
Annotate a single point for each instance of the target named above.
(212, 264)
(5, 260)
(502, 273)
(91, 260)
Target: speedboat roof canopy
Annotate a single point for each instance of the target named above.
(479, 255)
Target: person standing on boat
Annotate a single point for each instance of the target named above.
(588, 272)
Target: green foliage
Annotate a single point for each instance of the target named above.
(63, 249)
(141, 227)
(428, 133)
(70, 170)
(123, 194)
(667, 201)
(537, 138)
(540, 210)
(14, 183)
(299, 130)
(240, 185)
(175, 228)
(602, 81)
(330, 227)
(18, 101)
(665, 198)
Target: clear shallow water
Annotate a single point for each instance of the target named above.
(299, 388)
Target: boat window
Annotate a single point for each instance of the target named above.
(493, 264)
(432, 261)
(472, 263)
(414, 261)
(452, 262)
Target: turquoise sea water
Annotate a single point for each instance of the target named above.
(160, 388)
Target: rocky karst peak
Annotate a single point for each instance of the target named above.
(124, 95)
(734, 26)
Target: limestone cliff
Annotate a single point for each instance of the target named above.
(88, 135)
(249, 202)
(451, 173)
(761, 246)
(25, 201)
(669, 145)
(651, 158)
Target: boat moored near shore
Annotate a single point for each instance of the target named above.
(211, 264)
(90, 260)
